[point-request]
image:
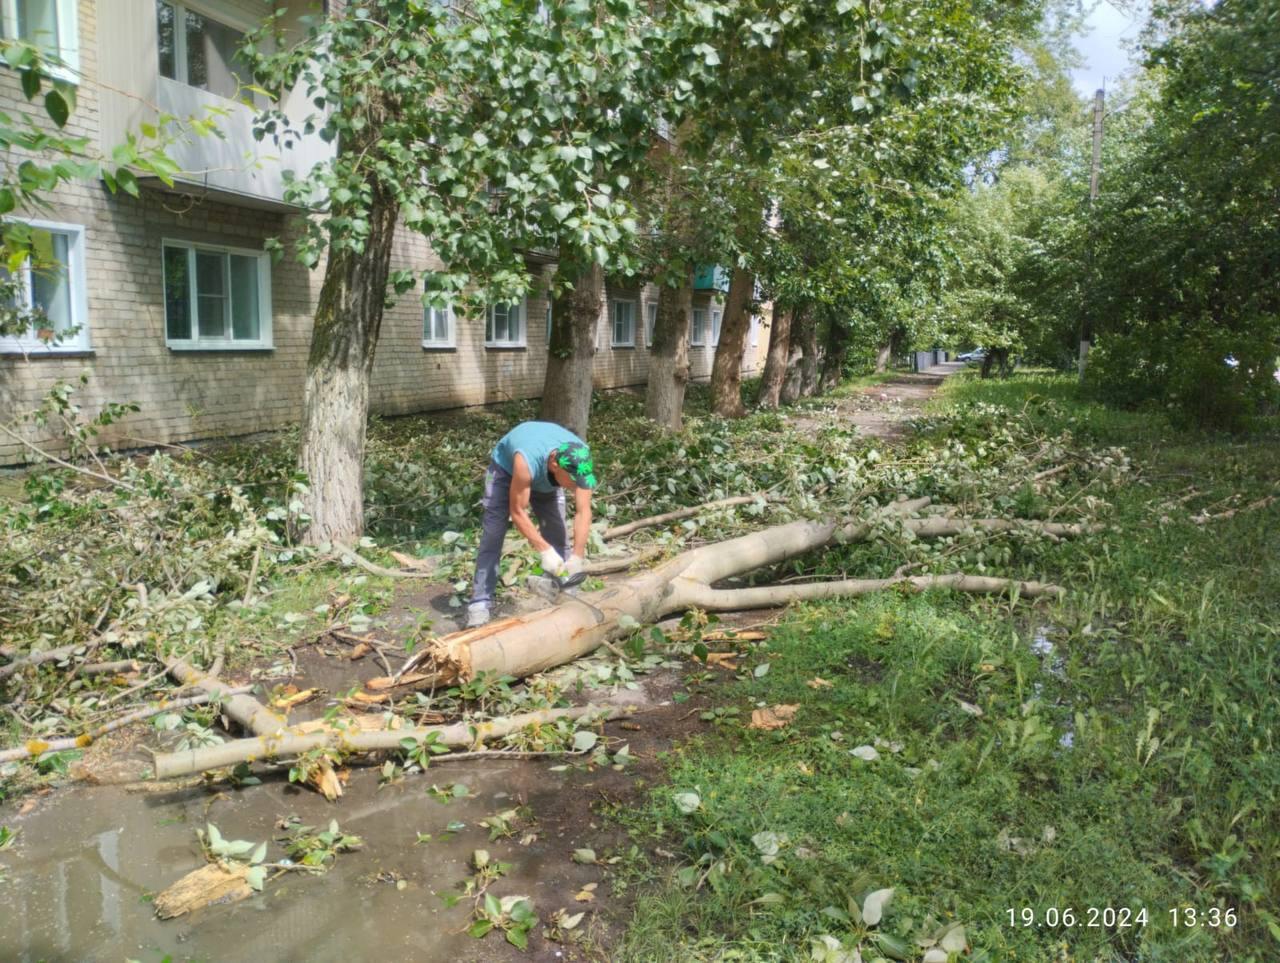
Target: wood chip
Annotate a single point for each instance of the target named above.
(287, 700)
(723, 660)
(388, 682)
(360, 651)
(728, 635)
(327, 782)
(213, 883)
(774, 717)
(818, 682)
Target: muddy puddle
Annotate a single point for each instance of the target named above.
(77, 883)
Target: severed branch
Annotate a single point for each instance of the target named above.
(249, 712)
(607, 565)
(37, 658)
(287, 743)
(36, 748)
(619, 530)
(350, 554)
(769, 596)
(114, 482)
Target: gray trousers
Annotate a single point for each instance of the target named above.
(547, 508)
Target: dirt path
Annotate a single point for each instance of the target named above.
(883, 411)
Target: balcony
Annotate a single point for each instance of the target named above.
(169, 57)
(711, 278)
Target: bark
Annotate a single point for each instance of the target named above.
(669, 356)
(566, 391)
(809, 360)
(531, 643)
(791, 382)
(287, 743)
(335, 405)
(834, 357)
(884, 352)
(619, 530)
(726, 369)
(775, 364)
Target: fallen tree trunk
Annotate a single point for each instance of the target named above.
(538, 641)
(289, 743)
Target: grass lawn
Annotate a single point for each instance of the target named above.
(1044, 776)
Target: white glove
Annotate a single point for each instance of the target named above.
(573, 565)
(552, 563)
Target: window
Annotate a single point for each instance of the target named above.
(49, 25)
(624, 324)
(699, 337)
(198, 51)
(504, 326)
(216, 298)
(650, 321)
(437, 327)
(55, 289)
(755, 330)
(716, 315)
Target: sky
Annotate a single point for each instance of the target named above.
(1100, 46)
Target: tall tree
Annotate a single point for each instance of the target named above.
(490, 127)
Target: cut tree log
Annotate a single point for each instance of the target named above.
(290, 743)
(531, 643)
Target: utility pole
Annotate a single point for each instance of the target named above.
(1095, 171)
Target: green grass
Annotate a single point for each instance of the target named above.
(1167, 796)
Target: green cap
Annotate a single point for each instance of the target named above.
(576, 460)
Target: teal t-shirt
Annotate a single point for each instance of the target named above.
(536, 440)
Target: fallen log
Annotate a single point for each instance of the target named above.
(37, 748)
(217, 883)
(289, 743)
(524, 645)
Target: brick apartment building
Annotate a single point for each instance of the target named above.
(179, 309)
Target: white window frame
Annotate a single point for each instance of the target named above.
(549, 308)
(68, 39)
(522, 341)
(75, 266)
(717, 318)
(429, 340)
(756, 323)
(225, 18)
(650, 321)
(698, 332)
(614, 305)
(195, 342)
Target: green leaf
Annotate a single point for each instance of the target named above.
(480, 928)
(584, 739)
(585, 856)
(56, 106)
(518, 937)
(873, 906)
(30, 83)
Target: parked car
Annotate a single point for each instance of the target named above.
(976, 356)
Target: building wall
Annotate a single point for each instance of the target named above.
(187, 395)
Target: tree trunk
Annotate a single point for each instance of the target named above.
(775, 365)
(791, 384)
(335, 400)
(566, 391)
(833, 360)
(884, 353)
(809, 360)
(669, 356)
(523, 645)
(726, 370)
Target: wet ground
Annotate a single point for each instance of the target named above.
(77, 884)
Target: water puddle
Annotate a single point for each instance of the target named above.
(75, 884)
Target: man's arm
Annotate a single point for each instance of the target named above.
(521, 491)
(581, 520)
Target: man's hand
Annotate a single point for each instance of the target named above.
(573, 565)
(552, 563)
